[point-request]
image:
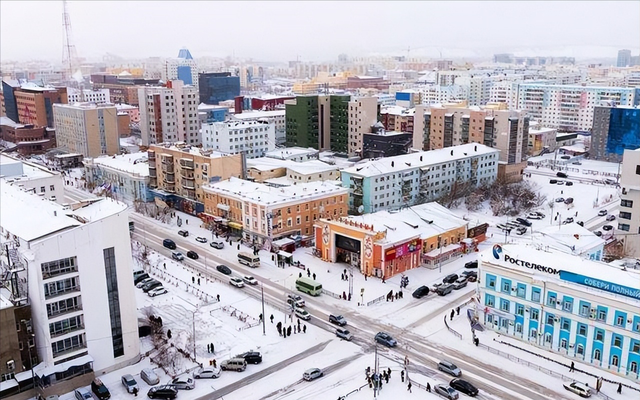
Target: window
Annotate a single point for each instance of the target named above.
(522, 290)
(617, 341)
(549, 319)
(42, 189)
(580, 349)
(489, 300)
(602, 314)
(504, 305)
(584, 309)
(519, 309)
(633, 367)
(626, 203)
(534, 314)
(506, 286)
(635, 346)
(620, 319)
(567, 305)
(551, 299)
(535, 294)
(614, 360)
(599, 335)
(596, 354)
(624, 215)
(563, 343)
(582, 330)
(52, 188)
(491, 281)
(114, 302)
(566, 324)
(624, 227)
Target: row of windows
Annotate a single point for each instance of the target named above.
(58, 267)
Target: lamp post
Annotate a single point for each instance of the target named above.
(264, 329)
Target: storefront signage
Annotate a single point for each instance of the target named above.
(602, 285)
(497, 250)
(402, 250)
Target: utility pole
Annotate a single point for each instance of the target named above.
(264, 331)
(244, 164)
(193, 320)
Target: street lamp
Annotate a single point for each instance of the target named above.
(264, 329)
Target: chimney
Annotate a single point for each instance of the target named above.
(475, 148)
(239, 100)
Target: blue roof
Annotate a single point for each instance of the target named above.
(184, 53)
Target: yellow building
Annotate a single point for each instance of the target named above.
(87, 128)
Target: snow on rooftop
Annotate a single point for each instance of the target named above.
(135, 163)
(290, 151)
(28, 170)
(259, 114)
(419, 159)
(124, 107)
(6, 121)
(306, 167)
(569, 237)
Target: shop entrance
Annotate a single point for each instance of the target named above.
(348, 251)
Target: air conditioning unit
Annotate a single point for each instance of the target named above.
(11, 365)
(556, 319)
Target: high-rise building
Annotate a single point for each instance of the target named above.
(183, 68)
(629, 216)
(615, 129)
(28, 139)
(30, 104)
(363, 115)
(169, 114)
(624, 58)
(275, 117)
(123, 88)
(88, 95)
(215, 87)
(87, 128)
(254, 138)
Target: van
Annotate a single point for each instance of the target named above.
(169, 244)
(234, 364)
(100, 390)
(138, 273)
(149, 376)
(444, 290)
(217, 244)
(449, 368)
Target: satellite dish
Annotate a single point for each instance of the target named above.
(361, 209)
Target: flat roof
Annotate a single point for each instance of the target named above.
(259, 114)
(6, 121)
(290, 151)
(135, 163)
(29, 170)
(569, 237)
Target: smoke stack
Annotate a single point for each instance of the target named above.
(239, 100)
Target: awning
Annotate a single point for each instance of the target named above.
(52, 369)
(235, 225)
(284, 254)
(283, 242)
(223, 206)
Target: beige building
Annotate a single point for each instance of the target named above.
(287, 172)
(542, 138)
(363, 114)
(87, 128)
(629, 216)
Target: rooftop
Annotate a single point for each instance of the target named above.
(259, 114)
(282, 154)
(85, 105)
(6, 121)
(571, 238)
(181, 146)
(28, 170)
(136, 163)
(306, 167)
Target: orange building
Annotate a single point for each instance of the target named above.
(35, 104)
(384, 243)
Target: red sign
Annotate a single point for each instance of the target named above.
(403, 249)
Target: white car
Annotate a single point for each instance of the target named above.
(302, 314)
(201, 239)
(250, 280)
(237, 282)
(207, 372)
(157, 291)
(578, 388)
(143, 282)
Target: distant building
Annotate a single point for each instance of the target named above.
(132, 111)
(624, 58)
(401, 119)
(386, 144)
(40, 180)
(275, 117)
(571, 239)
(629, 216)
(30, 104)
(183, 68)
(215, 87)
(88, 95)
(367, 82)
(18, 353)
(87, 128)
(27, 139)
(614, 130)
(254, 138)
(123, 177)
(298, 154)
(363, 115)
(540, 139)
(123, 88)
(281, 172)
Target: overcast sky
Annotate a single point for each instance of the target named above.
(319, 31)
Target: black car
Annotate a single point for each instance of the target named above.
(169, 244)
(569, 183)
(421, 292)
(224, 269)
(251, 357)
(192, 255)
(162, 392)
(553, 181)
(450, 278)
(183, 233)
(607, 227)
(523, 221)
(100, 390)
(471, 264)
(561, 175)
(151, 285)
(463, 386)
(140, 278)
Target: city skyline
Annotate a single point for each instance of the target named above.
(472, 30)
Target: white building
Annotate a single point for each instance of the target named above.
(88, 95)
(363, 114)
(298, 154)
(123, 177)
(184, 68)
(436, 94)
(275, 117)
(169, 114)
(77, 267)
(571, 239)
(629, 216)
(40, 180)
(255, 138)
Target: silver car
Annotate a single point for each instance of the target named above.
(149, 376)
(446, 391)
(182, 383)
(83, 394)
(312, 374)
(207, 372)
(129, 383)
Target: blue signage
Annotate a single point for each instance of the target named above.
(602, 285)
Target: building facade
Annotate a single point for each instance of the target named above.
(254, 138)
(87, 128)
(215, 87)
(579, 308)
(28, 139)
(275, 117)
(629, 216)
(33, 177)
(363, 115)
(123, 177)
(88, 96)
(541, 139)
(183, 68)
(615, 129)
(32, 104)
(624, 58)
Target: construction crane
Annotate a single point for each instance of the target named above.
(69, 55)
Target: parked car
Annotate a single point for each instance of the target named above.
(217, 244)
(250, 280)
(183, 233)
(472, 276)
(568, 200)
(450, 278)
(385, 339)
(521, 231)
(140, 278)
(566, 157)
(569, 220)
(207, 372)
(192, 255)
(602, 213)
(569, 183)
(343, 334)
(295, 300)
(609, 181)
(540, 214)
(129, 383)
(169, 244)
(446, 391)
(183, 383)
(560, 183)
(560, 200)
(611, 217)
(234, 364)
(162, 392)
(460, 283)
(224, 269)
(561, 175)
(302, 313)
(337, 319)
(144, 282)
(100, 390)
(607, 227)
(553, 181)
(251, 357)
(200, 239)
(576, 163)
(421, 292)
(138, 273)
(581, 223)
(157, 291)
(578, 388)
(597, 233)
(312, 374)
(523, 221)
(444, 290)
(235, 281)
(151, 285)
(449, 368)
(503, 227)
(83, 394)
(176, 255)
(471, 264)
(149, 376)
(463, 386)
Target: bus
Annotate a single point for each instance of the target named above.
(309, 286)
(249, 259)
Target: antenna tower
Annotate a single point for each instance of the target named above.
(69, 55)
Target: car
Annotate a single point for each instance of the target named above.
(444, 290)
(581, 223)
(560, 200)
(151, 285)
(157, 291)
(176, 255)
(513, 225)
(183, 233)
(449, 368)
(235, 281)
(523, 221)
(446, 391)
(521, 231)
(343, 334)
(561, 175)
(169, 244)
(192, 255)
(534, 216)
(238, 364)
(560, 183)
(207, 372)
(251, 357)
(602, 213)
(609, 181)
(421, 292)
(538, 213)
(144, 282)
(610, 217)
(217, 244)
(149, 376)
(566, 157)
(503, 227)
(576, 163)
(463, 386)
(337, 319)
(450, 278)
(200, 239)
(569, 220)
(162, 392)
(569, 183)
(385, 339)
(248, 279)
(470, 274)
(578, 388)
(302, 313)
(471, 264)
(140, 278)
(568, 200)
(129, 383)
(553, 181)
(597, 233)
(460, 283)
(224, 269)
(138, 273)
(607, 227)
(100, 390)
(295, 299)
(183, 383)
(311, 374)
(83, 394)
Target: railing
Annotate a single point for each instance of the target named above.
(65, 311)
(61, 292)
(334, 295)
(376, 300)
(459, 336)
(70, 350)
(65, 331)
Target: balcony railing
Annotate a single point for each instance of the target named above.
(167, 168)
(67, 330)
(61, 292)
(169, 178)
(60, 312)
(187, 164)
(189, 184)
(69, 350)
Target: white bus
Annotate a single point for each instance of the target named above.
(249, 259)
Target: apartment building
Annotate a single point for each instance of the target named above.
(416, 178)
(177, 173)
(183, 68)
(400, 119)
(275, 117)
(282, 172)
(123, 88)
(629, 216)
(88, 96)
(262, 213)
(615, 129)
(215, 87)
(540, 139)
(298, 154)
(89, 129)
(254, 138)
(123, 177)
(169, 114)
(31, 104)
(363, 115)
(39, 180)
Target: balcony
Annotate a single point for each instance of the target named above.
(189, 184)
(187, 164)
(187, 173)
(67, 330)
(69, 350)
(169, 179)
(167, 159)
(152, 172)
(50, 295)
(151, 155)
(167, 168)
(64, 311)
(171, 188)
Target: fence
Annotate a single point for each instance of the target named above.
(334, 295)
(459, 336)
(377, 300)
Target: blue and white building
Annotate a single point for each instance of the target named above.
(583, 309)
(124, 177)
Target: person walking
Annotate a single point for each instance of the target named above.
(314, 276)
(304, 329)
(428, 387)
(402, 376)
(271, 318)
(458, 310)
(571, 368)
(409, 387)
(619, 388)
(453, 313)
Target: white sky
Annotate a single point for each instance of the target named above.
(316, 31)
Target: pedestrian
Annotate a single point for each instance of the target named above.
(308, 272)
(193, 279)
(386, 378)
(212, 349)
(304, 329)
(428, 387)
(571, 368)
(619, 388)
(165, 265)
(289, 331)
(453, 312)
(260, 318)
(271, 318)
(383, 281)
(294, 329)
(215, 364)
(314, 277)
(208, 348)
(409, 387)
(402, 376)
(349, 296)
(135, 391)
(389, 372)
(342, 277)
(198, 281)
(218, 297)
(298, 325)
(458, 310)
(344, 295)
(300, 275)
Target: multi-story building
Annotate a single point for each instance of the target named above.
(264, 213)
(169, 114)
(89, 129)
(177, 173)
(629, 216)
(254, 138)
(88, 96)
(582, 309)
(27, 139)
(215, 87)
(614, 130)
(385, 144)
(569, 107)
(298, 154)
(380, 244)
(75, 261)
(122, 88)
(183, 68)
(363, 115)
(276, 118)
(285, 172)
(540, 139)
(30, 104)
(624, 58)
(420, 177)
(400, 119)
(40, 180)
(132, 111)
(123, 177)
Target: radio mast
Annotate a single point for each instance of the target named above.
(69, 55)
